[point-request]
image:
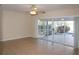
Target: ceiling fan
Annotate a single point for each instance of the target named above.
(35, 11)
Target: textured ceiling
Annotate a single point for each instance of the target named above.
(41, 7)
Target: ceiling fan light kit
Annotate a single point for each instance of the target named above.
(34, 11)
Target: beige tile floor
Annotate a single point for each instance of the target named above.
(31, 46)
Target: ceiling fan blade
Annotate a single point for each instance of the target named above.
(42, 12)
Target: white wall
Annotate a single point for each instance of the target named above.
(0, 23)
(15, 25)
(34, 27)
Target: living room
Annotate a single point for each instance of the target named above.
(19, 29)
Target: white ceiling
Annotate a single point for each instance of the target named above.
(41, 7)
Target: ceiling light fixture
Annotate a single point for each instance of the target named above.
(34, 10)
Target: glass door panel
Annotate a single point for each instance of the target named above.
(45, 30)
(69, 35)
(50, 30)
(59, 31)
(41, 28)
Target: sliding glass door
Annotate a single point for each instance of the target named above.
(57, 30)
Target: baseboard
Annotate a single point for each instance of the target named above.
(35, 37)
(14, 38)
